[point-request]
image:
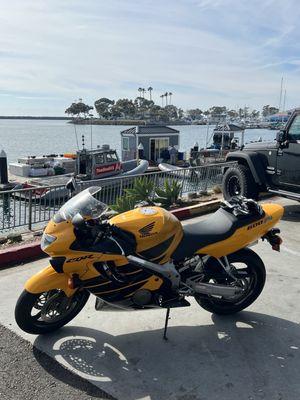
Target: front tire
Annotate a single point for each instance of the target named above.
(256, 272)
(238, 181)
(48, 311)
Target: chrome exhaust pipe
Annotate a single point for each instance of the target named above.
(215, 289)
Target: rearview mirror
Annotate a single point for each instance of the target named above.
(71, 185)
(281, 138)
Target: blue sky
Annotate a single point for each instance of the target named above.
(207, 52)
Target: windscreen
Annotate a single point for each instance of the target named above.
(85, 203)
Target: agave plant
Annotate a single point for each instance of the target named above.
(170, 193)
(124, 203)
(142, 191)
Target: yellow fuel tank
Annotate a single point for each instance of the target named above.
(157, 231)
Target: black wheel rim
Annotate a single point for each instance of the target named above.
(53, 307)
(247, 279)
(233, 186)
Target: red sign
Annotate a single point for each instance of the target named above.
(108, 168)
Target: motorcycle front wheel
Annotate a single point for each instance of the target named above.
(249, 268)
(48, 311)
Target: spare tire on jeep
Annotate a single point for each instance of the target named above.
(238, 181)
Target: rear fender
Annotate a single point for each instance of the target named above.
(48, 279)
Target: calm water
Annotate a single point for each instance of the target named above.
(31, 137)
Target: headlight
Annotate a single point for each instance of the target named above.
(47, 240)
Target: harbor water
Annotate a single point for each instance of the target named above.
(38, 137)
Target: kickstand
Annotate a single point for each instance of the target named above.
(166, 323)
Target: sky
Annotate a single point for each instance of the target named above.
(206, 52)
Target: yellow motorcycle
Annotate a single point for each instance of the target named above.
(144, 259)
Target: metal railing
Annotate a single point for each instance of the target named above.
(31, 206)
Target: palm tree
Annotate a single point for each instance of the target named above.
(170, 94)
(140, 91)
(143, 91)
(150, 90)
(162, 99)
(166, 96)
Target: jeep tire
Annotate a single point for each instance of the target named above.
(238, 181)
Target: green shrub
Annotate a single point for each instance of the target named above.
(169, 195)
(123, 204)
(142, 191)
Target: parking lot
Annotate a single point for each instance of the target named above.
(252, 355)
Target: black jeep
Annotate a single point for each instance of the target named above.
(267, 166)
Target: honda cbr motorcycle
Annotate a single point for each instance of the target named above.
(144, 259)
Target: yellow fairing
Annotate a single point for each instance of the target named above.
(46, 280)
(157, 231)
(246, 234)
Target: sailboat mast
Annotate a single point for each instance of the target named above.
(280, 97)
(284, 99)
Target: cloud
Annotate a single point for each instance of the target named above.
(206, 52)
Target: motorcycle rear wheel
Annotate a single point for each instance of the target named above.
(257, 277)
(48, 311)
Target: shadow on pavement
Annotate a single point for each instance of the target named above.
(292, 213)
(247, 356)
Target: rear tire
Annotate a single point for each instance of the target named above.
(256, 270)
(238, 181)
(41, 323)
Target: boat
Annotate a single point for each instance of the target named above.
(224, 134)
(173, 169)
(88, 165)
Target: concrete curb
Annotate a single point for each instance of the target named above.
(17, 254)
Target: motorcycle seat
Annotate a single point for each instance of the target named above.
(217, 227)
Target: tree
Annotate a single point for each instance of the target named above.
(125, 107)
(143, 106)
(255, 114)
(150, 92)
(155, 112)
(217, 111)
(232, 113)
(103, 107)
(166, 96)
(171, 112)
(195, 114)
(79, 109)
(269, 110)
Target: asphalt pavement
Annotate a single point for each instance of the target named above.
(252, 355)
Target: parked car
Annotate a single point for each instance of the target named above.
(267, 166)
